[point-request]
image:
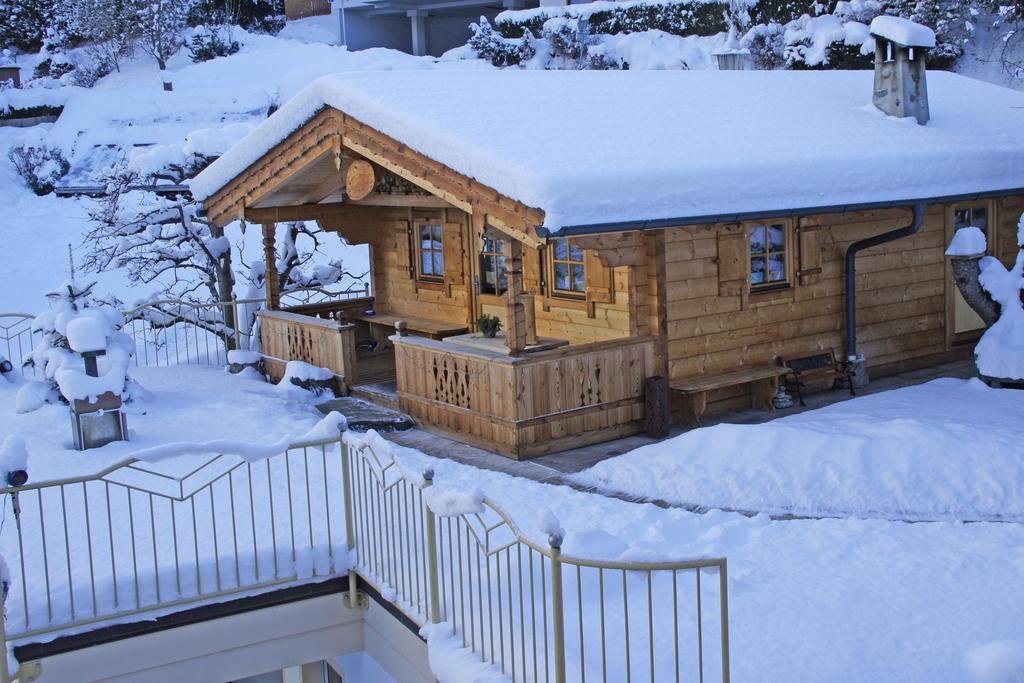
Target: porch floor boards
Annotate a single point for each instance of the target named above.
(554, 467)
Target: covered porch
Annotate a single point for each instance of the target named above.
(577, 340)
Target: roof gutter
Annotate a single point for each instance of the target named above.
(711, 219)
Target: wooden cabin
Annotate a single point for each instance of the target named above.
(568, 205)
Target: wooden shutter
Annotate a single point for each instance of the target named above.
(809, 270)
(403, 244)
(598, 278)
(733, 261)
(451, 242)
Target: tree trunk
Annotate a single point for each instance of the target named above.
(168, 86)
(967, 273)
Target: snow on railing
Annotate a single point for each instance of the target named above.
(175, 331)
(138, 537)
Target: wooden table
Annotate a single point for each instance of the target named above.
(497, 343)
(765, 379)
(428, 328)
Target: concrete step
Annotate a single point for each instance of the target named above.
(383, 394)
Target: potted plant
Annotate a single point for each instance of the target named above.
(488, 325)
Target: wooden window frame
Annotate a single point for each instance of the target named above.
(789, 247)
(487, 297)
(553, 292)
(418, 250)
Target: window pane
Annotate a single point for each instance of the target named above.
(561, 250)
(981, 219)
(562, 276)
(757, 270)
(488, 245)
(578, 282)
(575, 253)
(776, 268)
(502, 277)
(962, 218)
(438, 263)
(757, 239)
(777, 237)
(426, 263)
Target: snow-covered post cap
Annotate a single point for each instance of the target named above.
(903, 32)
(967, 243)
(87, 334)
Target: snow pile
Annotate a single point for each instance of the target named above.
(948, 449)
(446, 502)
(1000, 351)
(15, 99)
(903, 31)
(812, 37)
(305, 372)
(13, 458)
(588, 9)
(974, 142)
(241, 357)
(968, 241)
(450, 662)
(88, 333)
(1001, 661)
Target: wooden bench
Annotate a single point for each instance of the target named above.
(427, 328)
(816, 367)
(765, 379)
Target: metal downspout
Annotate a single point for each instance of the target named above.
(851, 270)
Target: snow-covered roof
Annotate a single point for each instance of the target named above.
(593, 147)
(903, 31)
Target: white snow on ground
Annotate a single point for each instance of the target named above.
(849, 599)
(948, 449)
(182, 403)
(783, 159)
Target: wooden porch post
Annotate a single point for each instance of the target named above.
(270, 256)
(515, 311)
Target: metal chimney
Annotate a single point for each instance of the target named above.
(901, 87)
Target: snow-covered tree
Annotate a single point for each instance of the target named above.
(108, 29)
(161, 23)
(23, 23)
(76, 319)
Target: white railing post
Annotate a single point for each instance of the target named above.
(432, 555)
(234, 318)
(557, 606)
(723, 592)
(353, 597)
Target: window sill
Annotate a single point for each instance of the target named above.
(783, 292)
(437, 285)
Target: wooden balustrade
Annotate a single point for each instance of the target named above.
(321, 342)
(531, 404)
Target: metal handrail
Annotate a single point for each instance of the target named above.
(272, 522)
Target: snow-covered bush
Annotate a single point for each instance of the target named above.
(53, 67)
(107, 28)
(23, 23)
(258, 16)
(76, 321)
(1000, 351)
(497, 50)
(40, 167)
(678, 17)
(767, 45)
(209, 42)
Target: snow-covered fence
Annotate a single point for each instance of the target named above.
(138, 537)
(459, 563)
(174, 331)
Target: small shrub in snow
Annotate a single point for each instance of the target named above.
(40, 167)
(53, 67)
(76, 319)
(209, 43)
(498, 50)
(767, 45)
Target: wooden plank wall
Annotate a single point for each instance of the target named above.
(528, 405)
(901, 300)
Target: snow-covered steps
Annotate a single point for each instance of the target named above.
(363, 416)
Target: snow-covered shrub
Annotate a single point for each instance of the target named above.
(767, 45)
(1000, 351)
(258, 16)
(678, 17)
(40, 167)
(498, 50)
(23, 23)
(53, 67)
(210, 42)
(76, 319)
(106, 28)
(569, 39)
